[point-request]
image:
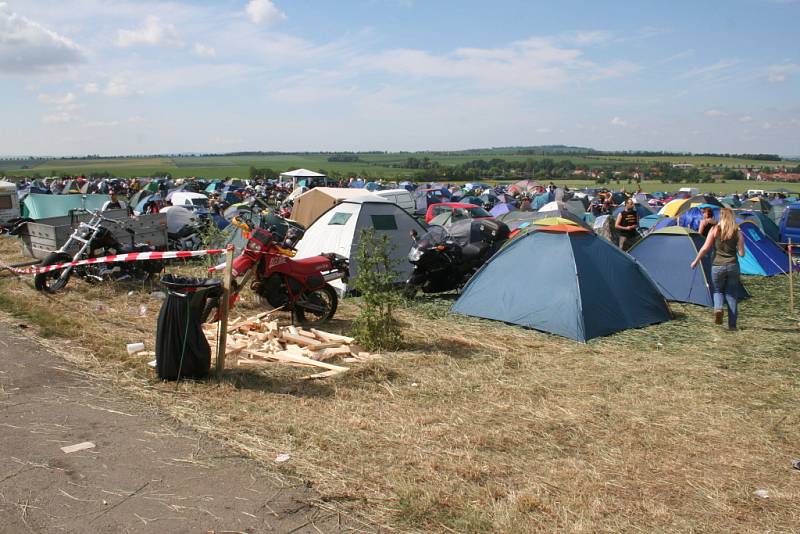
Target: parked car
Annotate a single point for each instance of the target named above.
(189, 200)
(459, 210)
(790, 225)
(401, 197)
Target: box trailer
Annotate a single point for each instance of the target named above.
(43, 236)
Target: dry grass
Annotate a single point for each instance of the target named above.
(483, 427)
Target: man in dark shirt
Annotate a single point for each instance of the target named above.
(627, 225)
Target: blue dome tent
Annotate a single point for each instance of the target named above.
(591, 287)
(667, 254)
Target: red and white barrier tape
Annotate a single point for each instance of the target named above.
(133, 256)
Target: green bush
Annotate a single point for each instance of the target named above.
(375, 327)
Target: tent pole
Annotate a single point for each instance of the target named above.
(791, 280)
(222, 326)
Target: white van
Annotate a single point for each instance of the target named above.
(401, 197)
(189, 200)
(691, 190)
(9, 202)
(755, 192)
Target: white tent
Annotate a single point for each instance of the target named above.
(300, 173)
(339, 229)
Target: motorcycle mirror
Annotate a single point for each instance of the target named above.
(414, 234)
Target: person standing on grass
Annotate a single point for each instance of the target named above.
(727, 241)
(707, 223)
(627, 225)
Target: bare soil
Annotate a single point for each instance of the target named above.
(146, 473)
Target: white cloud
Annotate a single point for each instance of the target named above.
(57, 100)
(745, 119)
(583, 38)
(680, 55)
(60, 117)
(714, 113)
(204, 50)
(531, 64)
(152, 33)
(27, 46)
(101, 124)
(618, 121)
(264, 11)
(781, 72)
(91, 88)
(117, 87)
(766, 126)
(709, 71)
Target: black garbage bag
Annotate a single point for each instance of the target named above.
(181, 347)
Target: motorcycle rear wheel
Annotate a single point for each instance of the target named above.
(322, 305)
(52, 281)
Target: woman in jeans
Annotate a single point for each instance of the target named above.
(727, 241)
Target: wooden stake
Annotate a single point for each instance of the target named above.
(222, 326)
(791, 281)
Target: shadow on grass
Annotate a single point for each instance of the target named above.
(243, 379)
(452, 346)
(789, 329)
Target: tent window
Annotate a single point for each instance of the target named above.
(384, 222)
(5, 202)
(339, 219)
(793, 219)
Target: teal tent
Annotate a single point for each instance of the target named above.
(36, 206)
(762, 256)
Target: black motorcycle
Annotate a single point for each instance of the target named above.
(95, 240)
(445, 258)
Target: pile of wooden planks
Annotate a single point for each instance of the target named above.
(258, 341)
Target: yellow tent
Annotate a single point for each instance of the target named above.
(552, 221)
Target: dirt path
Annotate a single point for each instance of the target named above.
(145, 474)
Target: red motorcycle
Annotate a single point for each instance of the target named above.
(298, 286)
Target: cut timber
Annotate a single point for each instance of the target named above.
(323, 374)
(289, 357)
(327, 354)
(332, 337)
(320, 346)
(259, 341)
(298, 339)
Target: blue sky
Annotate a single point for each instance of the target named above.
(140, 76)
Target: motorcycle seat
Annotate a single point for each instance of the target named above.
(138, 247)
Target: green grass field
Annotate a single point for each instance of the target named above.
(376, 166)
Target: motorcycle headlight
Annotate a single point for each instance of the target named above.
(255, 246)
(414, 255)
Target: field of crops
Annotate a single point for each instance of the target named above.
(371, 165)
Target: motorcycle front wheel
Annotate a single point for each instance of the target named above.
(317, 306)
(53, 281)
(409, 290)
